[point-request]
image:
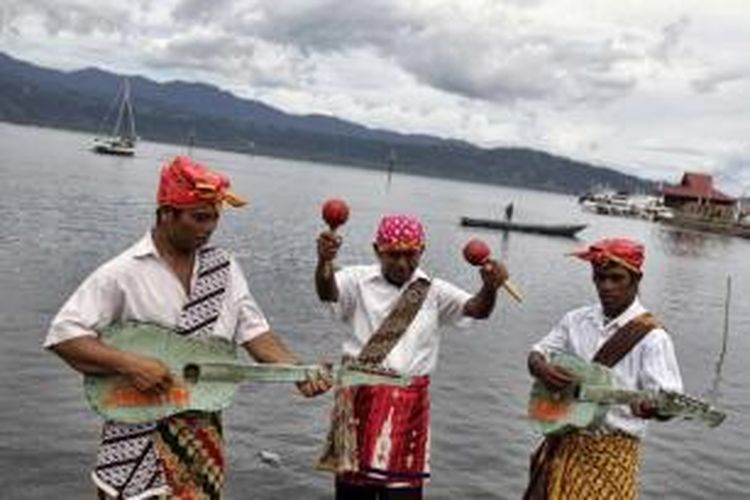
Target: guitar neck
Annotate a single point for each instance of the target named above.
(257, 372)
(276, 372)
(611, 396)
(668, 403)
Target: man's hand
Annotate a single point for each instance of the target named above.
(328, 245)
(480, 306)
(148, 374)
(553, 377)
(318, 384)
(645, 410)
(325, 282)
(493, 274)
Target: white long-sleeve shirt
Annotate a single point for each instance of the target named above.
(139, 285)
(650, 365)
(365, 300)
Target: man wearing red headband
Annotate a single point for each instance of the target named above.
(171, 278)
(378, 444)
(602, 461)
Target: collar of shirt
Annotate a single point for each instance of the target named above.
(608, 328)
(145, 247)
(376, 277)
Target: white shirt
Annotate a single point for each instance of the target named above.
(138, 285)
(365, 300)
(650, 365)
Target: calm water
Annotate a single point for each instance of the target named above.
(64, 210)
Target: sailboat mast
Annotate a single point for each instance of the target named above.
(125, 107)
(131, 114)
(118, 122)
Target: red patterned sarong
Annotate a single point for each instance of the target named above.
(392, 435)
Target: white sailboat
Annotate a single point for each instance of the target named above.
(123, 138)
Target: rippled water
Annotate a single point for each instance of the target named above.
(64, 210)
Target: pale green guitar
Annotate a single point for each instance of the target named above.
(586, 403)
(207, 373)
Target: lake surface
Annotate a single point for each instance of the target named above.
(64, 211)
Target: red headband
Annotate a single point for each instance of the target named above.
(627, 253)
(184, 183)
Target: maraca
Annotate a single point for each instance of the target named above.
(335, 212)
(476, 252)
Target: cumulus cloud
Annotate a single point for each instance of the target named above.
(713, 80)
(495, 53)
(672, 35)
(252, 61)
(76, 17)
(501, 52)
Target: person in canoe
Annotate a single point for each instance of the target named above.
(378, 444)
(171, 277)
(618, 332)
(509, 212)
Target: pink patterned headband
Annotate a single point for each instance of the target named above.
(400, 233)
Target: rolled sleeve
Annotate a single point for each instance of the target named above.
(659, 368)
(91, 307)
(346, 283)
(450, 303)
(251, 322)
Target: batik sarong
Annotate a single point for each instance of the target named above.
(580, 466)
(391, 435)
(182, 454)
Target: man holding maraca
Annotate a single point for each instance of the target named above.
(378, 444)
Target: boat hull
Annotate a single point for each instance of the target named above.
(564, 230)
(107, 150)
(114, 146)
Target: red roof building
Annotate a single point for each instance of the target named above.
(696, 196)
(697, 188)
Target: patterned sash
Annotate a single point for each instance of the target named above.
(183, 453)
(395, 324)
(624, 339)
(349, 443)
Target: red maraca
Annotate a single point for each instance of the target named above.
(477, 252)
(335, 212)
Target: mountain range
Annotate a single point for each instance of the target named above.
(173, 111)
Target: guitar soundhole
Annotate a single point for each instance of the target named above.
(191, 373)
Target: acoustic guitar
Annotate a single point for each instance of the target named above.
(206, 374)
(585, 403)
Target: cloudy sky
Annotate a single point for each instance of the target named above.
(650, 87)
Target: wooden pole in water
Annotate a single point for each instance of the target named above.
(724, 343)
(727, 300)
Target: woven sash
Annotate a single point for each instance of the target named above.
(128, 464)
(395, 324)
(625, 338)
(199, 315)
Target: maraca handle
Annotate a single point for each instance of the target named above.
(477, 253)
(513, 291)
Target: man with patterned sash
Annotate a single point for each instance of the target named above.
(378, 445)
(171, 278)
(602, 462)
